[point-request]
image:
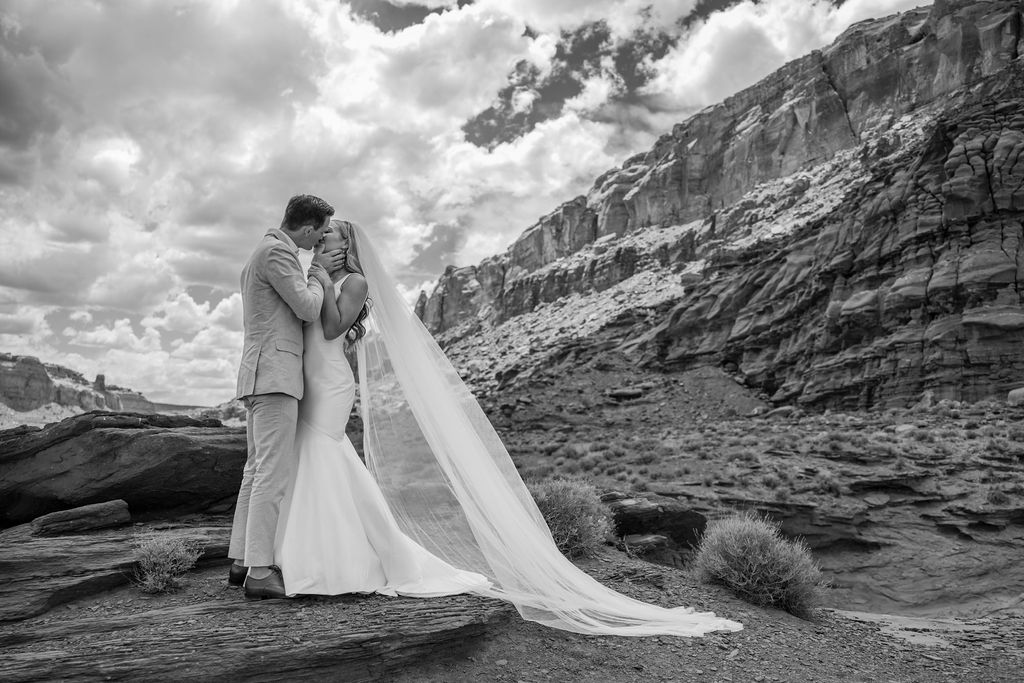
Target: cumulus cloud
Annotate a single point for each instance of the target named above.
(736, 47)
(119, 335)
(182, 315)
(624, 17)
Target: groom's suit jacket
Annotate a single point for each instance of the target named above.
(276, 297)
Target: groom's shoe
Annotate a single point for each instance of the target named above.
(236, 575)
(262, 589)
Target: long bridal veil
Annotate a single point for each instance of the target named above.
(454, 489)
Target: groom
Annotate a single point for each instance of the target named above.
(276, 298)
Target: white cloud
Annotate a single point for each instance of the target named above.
(120, 335)
(623, 17)
(736, 47)
(182, 315)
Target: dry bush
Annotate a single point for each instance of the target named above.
(997, 497)
(748, 554)
(573, 510)
(160, 560)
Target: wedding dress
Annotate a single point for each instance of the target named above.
(440, 507)
(335, 533)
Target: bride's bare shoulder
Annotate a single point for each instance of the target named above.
(354, 283)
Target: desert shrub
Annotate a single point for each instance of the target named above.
(541, 471)
(160, 560)
(570, 450)
(748, 554)
(616, 452)
(997, 497)
(647, 458)
(826, 482)
(573, 510)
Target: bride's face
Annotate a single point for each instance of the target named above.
(335, 240)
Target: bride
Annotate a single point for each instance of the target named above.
(439, 508)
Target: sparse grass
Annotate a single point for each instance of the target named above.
(161, 560)
(574, 512)
(748, 554)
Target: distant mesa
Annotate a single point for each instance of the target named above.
(28, 384)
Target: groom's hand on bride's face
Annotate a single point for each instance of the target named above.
(330, 260)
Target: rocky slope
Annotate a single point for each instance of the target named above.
(27, 384)
(845, 233)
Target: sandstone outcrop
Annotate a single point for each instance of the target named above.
(153, 462)
(41, 573)
(844, 233)
(26, 383)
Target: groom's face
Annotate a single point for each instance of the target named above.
(311, 235)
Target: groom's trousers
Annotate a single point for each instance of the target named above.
(270, 436)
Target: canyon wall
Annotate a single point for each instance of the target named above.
(854, 222)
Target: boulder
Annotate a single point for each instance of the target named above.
(84, 518)
(153, 462)
(644, 514)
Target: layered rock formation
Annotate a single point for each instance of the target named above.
(153, 462)
(844, 233)
(27, 384)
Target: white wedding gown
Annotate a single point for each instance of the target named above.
(336, 533)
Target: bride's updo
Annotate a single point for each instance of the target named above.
(352, 265)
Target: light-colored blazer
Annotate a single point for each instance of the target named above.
(276, 298)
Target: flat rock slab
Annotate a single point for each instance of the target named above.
(43, 572)
(228, 637)
(66, 612)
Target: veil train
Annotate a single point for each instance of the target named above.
(453, 488)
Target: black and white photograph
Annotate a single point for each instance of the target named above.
(512, 341)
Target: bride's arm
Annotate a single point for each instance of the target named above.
(339, 318)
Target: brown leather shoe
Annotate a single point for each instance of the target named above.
(236, 575)
(271, 587)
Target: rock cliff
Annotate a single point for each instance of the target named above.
(26, 384)
(844, 233)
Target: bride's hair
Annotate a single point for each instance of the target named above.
(358, 329)
(352, 264)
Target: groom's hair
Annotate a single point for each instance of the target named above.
(305, 209)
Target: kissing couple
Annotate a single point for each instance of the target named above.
(438, 508)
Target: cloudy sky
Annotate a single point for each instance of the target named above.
(145, 146)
